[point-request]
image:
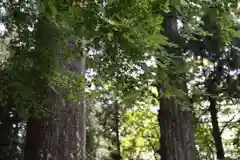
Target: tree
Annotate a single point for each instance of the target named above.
(212, 49)
(46, 145)
(131, 47)
(175, 117)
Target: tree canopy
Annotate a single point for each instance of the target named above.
(120, 60)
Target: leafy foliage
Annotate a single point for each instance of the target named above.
(126, 55)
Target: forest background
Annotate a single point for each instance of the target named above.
(104, 79)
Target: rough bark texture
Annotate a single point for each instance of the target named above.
(177, 132)
(176, 125)
(62, 134)
(215, 129)
(57, 137)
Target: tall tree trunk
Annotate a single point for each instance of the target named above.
(176, 121)
(57, 136)
(215, 129)
(61, 135)
(177, 132)
(34, 134)
(215, 77)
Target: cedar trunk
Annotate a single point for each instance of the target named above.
(57, 137)
(177, 140)
(62, 134)
(177, 132)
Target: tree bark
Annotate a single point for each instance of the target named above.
(61, 135)
(177, 132)
(177, 128)
(214, 79)
(215, 129)
(56, 137)
(34, 134)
